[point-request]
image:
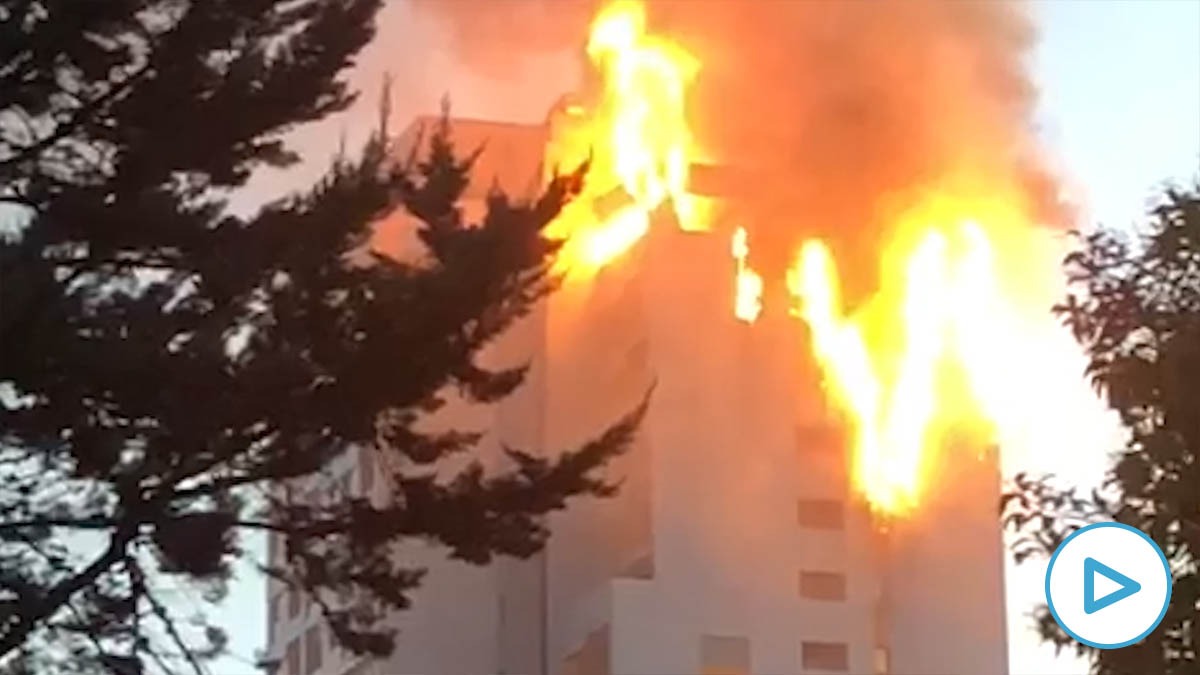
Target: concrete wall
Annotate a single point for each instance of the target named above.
(726, 471)
(740, 434)
(728, 476)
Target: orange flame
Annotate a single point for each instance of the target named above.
(748, 285)
(636, 136)
(921, 355)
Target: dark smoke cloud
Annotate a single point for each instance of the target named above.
(842, 110)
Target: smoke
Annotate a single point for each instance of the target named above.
(843, 112)
(496, 39)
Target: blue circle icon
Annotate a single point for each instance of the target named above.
(1108, 585)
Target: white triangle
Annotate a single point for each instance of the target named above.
(1105, 586)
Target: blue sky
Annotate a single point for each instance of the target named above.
(1120, 110)
(1120, 96)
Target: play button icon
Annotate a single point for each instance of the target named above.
(1108, 585)
(1126, 586)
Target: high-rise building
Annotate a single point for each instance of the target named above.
(736, 543)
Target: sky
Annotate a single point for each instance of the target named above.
(1119, 109)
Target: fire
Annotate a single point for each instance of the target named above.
(748, 285)
(920, 356)
(637, 138)
(920, 359)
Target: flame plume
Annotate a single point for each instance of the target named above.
(748, 285)
(637, 137)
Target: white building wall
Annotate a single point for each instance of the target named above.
(947, 574)
(725, 477)
(729, 541)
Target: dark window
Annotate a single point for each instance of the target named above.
(827, 656)
(821, 514)
(823, 586)
(724, 655)
(312, 649)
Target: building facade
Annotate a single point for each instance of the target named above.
(736, 544)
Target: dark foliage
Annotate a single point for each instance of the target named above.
(1135, 309)
(172, 375)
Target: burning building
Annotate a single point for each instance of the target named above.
(739, 541)
(814, 488)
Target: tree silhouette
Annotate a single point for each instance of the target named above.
(171, 375)
(1134, 306)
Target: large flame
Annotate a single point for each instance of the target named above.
(920, 359)
(925, 353)
(636, 137)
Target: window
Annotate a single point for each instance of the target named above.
(724, 655)
(312, 649)
(883, 661)
(292, 660)
(821, 514)
(821, 451)
(829, 586)
(828, 656)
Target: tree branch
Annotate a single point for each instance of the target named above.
(89, 523)
(91, 636)
(164, 617)
(15, 635)
(17, 200)
(80, 116)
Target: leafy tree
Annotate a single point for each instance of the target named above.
(1134, 306)
(166, 366)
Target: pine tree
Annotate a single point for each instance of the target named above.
(166, 366)
(1134, 307)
